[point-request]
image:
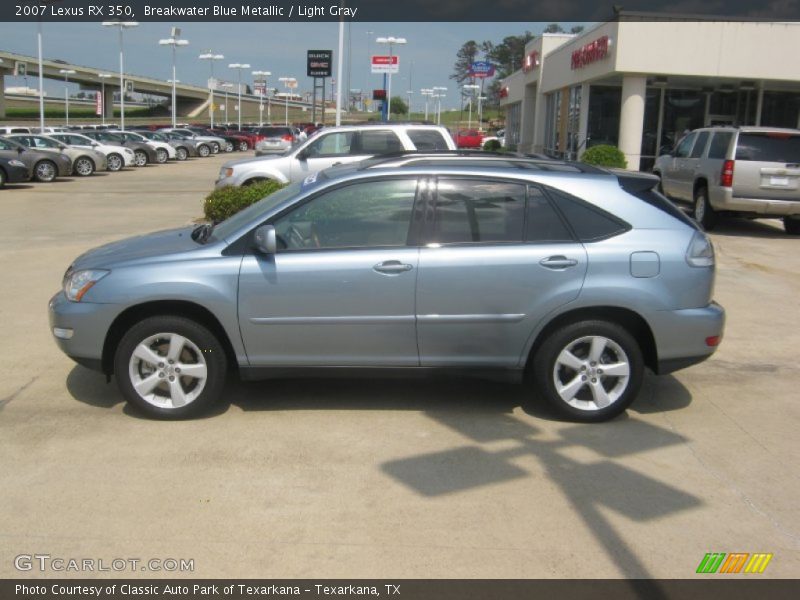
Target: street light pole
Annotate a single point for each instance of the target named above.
(211, 57)
(103, 77)
(239, 67)
(287, 82)
(66, 73)
(121, 25)
(174, 42)
(439, 95)
(263, 74)
(471, 88)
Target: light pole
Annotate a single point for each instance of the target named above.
(66, 73)
(103, 77)
(471, 93)
(480, 112)
(369, 58)
(239, 67)
(121, 25)
(226, 86)
(174, 42)
(427, 92)
(408, 93)
(263, 74)
(289, 82)
(211, 57)
(437, 93)
(391, 41)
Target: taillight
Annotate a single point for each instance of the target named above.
(287, 138)
(700, 252)
(726, 177)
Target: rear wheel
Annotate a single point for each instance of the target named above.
(115, 162)
(84, 166)
(162, 156)
(181, 153)
(244, 146)
(589, 371)
(140, 158)
(792, 225)
(703, 211)
(170, 367)
(229, 147)
(215, 147)
(203, 150)
(45, 171)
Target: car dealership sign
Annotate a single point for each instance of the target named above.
(591, 52)
(481, 69)
(319, 63)
(386, 64)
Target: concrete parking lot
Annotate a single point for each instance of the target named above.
(315, 478)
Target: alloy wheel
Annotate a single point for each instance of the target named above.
(244, 146)
(45, 171)
(114, 162)
(162, 156)
(84, 167)
(140, 158)
(181, 153)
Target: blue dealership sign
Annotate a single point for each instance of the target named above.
(481, 69)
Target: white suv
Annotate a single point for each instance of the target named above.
(333, 146)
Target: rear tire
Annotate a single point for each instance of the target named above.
(203, 150)
(704, 213)
(792, 225)
(115, 162)
(162, 389)
(229, 147)
(244, 146)
(214, 148)
(589, 371)
(2, 178)
(162, 156)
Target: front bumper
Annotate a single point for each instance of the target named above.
(17, 174)
(81, 328)
(682, 336)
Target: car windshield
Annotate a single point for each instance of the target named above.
(254, 212)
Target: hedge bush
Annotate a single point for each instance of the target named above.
(226, 201)
(492, 146)
(605, 156)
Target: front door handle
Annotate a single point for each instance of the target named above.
(392, 267)
(558, 262)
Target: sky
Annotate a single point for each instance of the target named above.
(280, 48)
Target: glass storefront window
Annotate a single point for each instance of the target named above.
(604, 107)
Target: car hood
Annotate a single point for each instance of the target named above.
(157, 246)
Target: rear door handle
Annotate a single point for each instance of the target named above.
(558, 262)
(392, 267)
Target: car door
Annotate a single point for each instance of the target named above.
(496, 259)
(681, 170)
(341, 147)
(340, 289)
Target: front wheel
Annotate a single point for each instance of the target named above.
(181, 153)
(589, 371)
(214, 147)
(45, 171)
(792, 225)
(140, 158)
(162, 156)
(83, 166)
(2, 178)
(115, 162)
(170, 367)
(244, 146)
(703, 211)
(229, 147)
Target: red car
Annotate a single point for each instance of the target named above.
(245, 140)
(469, 138)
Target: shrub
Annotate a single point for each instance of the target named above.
(492, 146)
(226, 201)
(604, 155)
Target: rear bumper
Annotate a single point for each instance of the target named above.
(723, 199)
(682, 336)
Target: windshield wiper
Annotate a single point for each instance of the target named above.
(202, 232)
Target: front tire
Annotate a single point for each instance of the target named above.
(703, 211)
(115, 162)
(229, 147)
(792, 225)
(162, 156)
(181, 153)
(2, 178)
(45, 171)
(589, 371)
(214, 148)
(83, 167)
(170, 367)
(140, 158)
(244, 146)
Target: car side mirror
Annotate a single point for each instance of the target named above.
(20, 150)
(266, 240)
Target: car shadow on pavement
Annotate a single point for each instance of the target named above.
(732, 227)
(10, 187)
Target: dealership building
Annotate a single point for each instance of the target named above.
(640, 82)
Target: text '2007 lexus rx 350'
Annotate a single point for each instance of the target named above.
(568, 278)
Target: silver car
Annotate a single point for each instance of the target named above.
(335, 146)
(745, 171)
(579, 278)
(85, 161)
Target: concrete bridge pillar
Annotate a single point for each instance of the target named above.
(2, 94)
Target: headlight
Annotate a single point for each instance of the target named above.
(225, 173)
(77, 283)
(16, 163)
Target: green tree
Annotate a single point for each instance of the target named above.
(507, 57)
(576, 29)
(464, 58)
(554, 28)
(399, 106)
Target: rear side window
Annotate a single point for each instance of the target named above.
(379, 142)
(719, 145)
(589, 223)
(478, 211)
(699, 145)
(769, 147)
(542, 222)
(427, 139)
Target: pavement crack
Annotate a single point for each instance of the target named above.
(13, 395)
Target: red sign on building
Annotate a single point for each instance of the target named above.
(591, 52)
(530, 62)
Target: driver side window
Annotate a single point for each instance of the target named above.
(361, 215)
(685, 146)
(332, 144)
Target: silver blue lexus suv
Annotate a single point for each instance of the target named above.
(564, 277)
